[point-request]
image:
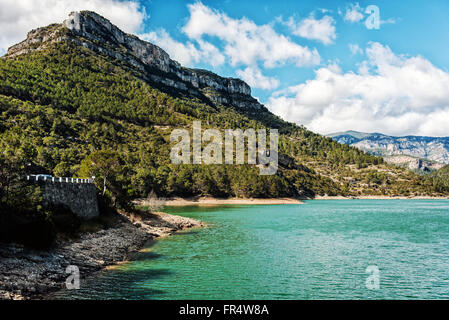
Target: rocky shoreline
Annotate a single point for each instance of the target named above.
(30, 274)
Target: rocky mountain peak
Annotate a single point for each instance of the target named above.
(415, 152)
(94, 32)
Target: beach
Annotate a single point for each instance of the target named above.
(211, 201)
(378, 197)
(218, 201)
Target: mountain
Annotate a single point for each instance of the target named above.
(83, 93)
(96, 33)
(414, 152)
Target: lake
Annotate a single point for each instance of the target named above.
(318, 250)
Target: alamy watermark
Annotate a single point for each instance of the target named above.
(212, 153)
(373, 280)
(373, 20)
(73, 280)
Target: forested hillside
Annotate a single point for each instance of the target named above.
(76, 106)
(65, 103)
(440, 179)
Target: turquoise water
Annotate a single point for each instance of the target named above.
(319, 250)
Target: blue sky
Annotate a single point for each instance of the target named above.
(419, 27)
(315, 63)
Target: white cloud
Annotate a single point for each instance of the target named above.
(254, 77)
(355, 49)
(17, 17)
(185, 53)
(354, 13)
(390, 93)
(315, 29)
(246, 42)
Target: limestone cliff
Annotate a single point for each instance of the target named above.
(413, 163)
(92, 31)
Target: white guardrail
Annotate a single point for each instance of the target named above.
(35, 178)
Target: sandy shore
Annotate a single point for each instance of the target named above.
(31, 274)
(205, 201)
(378, 198)
(209, 201)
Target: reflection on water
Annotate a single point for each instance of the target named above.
(319, 250)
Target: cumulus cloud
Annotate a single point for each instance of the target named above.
(185, 53)
(17, 17)
(391, 93)
(354, 13)
(254, 77)
(246, 42)
(355, 48)
(315, 29)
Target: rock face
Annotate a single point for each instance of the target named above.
(414, 152)
(92, 31)
(414, 164)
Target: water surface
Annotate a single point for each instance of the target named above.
(319, 250)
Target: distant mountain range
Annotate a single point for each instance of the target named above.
(415, 152)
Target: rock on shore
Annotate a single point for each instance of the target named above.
(28, 274)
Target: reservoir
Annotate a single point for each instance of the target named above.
(317, 250)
